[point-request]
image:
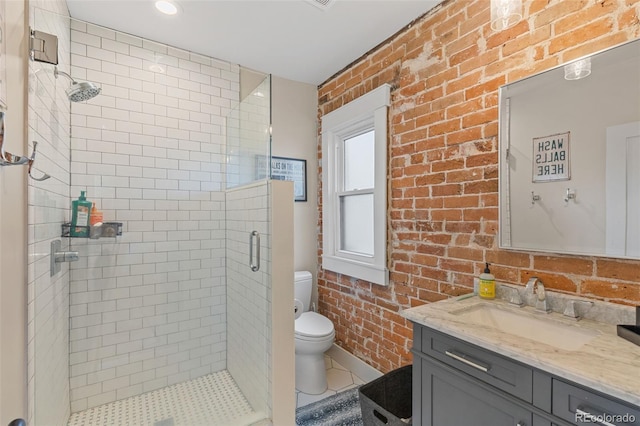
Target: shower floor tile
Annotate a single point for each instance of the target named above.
(214, 399)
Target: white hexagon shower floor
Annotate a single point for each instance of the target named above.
(210, 400)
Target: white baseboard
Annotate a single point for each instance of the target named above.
(358, 367)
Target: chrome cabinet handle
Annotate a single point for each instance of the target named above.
(254, 266)
(592, 417)
(467, 360)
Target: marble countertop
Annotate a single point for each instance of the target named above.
(607, 363)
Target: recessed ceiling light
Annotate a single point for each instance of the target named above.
(166, 7)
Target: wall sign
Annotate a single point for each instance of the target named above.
(283, 168)
(291, 169)
(551, 158)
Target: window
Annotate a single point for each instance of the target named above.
(354, 181)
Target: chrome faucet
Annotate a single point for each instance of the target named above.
(571, 310)
(535, 286)
(514, 296)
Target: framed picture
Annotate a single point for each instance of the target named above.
(292, 169)
(283, 168)
(551, 157)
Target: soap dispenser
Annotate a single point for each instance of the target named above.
(487, 287)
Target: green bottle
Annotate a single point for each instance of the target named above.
(80, 212)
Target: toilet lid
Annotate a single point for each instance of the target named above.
(312, 324)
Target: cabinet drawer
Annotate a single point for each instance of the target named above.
(576, 405)
(448, 398)
(502, 373)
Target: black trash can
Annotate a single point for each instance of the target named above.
(387, 400)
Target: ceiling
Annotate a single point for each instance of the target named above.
(293, 39)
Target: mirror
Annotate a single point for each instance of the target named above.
(570, 158)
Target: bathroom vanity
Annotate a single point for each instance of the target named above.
(488, 363)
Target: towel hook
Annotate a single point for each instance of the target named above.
(32, 160)
(570, 195)
(8, 159)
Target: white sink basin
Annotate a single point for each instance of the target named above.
(528, 325)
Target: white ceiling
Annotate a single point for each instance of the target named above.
(293, 39)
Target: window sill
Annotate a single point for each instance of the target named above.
(353, 268)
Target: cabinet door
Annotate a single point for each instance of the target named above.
(449, 399)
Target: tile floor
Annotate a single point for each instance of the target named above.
(214, 399)
(338, 377)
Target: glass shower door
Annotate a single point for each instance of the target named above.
(48, 292)
(247, 247)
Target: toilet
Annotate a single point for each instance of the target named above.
(314, 334)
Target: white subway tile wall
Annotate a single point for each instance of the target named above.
(249, 294)
(148, 308)
(48, 201)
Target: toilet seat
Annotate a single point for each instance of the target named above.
(311, 325)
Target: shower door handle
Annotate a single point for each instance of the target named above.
(254, 235)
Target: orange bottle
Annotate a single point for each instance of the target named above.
(95, 218)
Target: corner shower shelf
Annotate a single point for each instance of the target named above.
(108, 229)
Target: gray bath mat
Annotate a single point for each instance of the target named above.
(341, 409)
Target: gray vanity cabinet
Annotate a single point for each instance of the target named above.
(456, 401)
(459, 384)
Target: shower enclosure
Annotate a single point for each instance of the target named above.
(184, 305)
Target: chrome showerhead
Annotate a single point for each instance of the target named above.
(79, 92)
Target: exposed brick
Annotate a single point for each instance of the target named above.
(453, 164)
(445, 127)
(593, 46)
(476, 215)
(480, 117)
(466, 253)
(577, 36)
(590, 14)
(461, 202)
(463, 227)
(560, 9)
(481, 186)
(629, 18)
(443, 190)
(465, 135)
(449, 214)
(465, 175)
(459, 110)
(489, 86)
(551, 281)
(538, 35)
(618, 269)
(481, 160)
(510, 258)
(565, 264)
(469, 52)
(443, 163)
(611, 290)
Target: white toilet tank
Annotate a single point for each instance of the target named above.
(303, 283)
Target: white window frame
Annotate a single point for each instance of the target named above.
(368, 112)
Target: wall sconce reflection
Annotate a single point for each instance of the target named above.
(505, 13)
(578, 69)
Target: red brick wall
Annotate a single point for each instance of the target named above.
(445, 70)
